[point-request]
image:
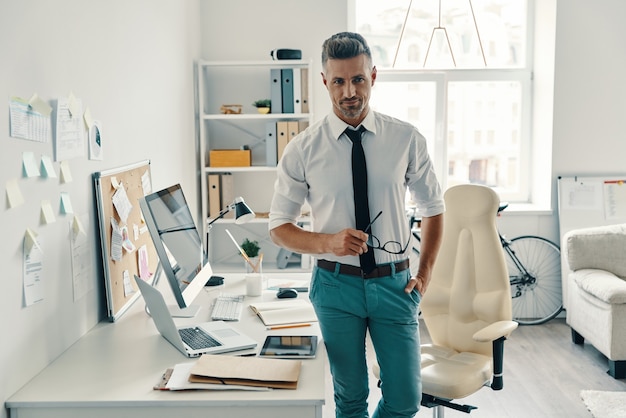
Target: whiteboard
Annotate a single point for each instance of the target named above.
(591, 201)
(586, 202)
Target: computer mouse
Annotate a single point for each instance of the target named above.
(287, 293)
(215, 281)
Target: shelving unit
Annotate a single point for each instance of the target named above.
(241, 83)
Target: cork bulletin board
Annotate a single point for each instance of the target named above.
(127, 248)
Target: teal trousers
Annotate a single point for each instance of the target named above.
(347, 308)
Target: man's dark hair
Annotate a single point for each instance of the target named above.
(345, 45)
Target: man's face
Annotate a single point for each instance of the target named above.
(349, 83)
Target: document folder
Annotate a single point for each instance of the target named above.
(247, 371)
(297, 91)
(276, 91)
(227, 184)
(282, 137)
(215, 204)
(271, 144)
(287, 89)
(304, 89)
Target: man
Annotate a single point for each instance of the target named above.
(351, 296)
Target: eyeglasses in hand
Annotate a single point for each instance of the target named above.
(391, 247)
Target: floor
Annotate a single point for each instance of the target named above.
(543, 375)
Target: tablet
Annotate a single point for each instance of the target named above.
(289, 346)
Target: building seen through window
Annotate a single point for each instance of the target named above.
(458, 70)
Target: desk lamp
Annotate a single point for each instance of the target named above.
(243, 214)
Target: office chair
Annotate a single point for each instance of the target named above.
(467, 306)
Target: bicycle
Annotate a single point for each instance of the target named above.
(534, 265)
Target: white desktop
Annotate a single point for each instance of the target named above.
(111, 371)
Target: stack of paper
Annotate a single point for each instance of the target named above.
(284, 312)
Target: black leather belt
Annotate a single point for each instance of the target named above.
(380, 271)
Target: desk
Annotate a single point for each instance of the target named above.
(111, 370)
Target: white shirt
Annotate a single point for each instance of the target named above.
(316, 167)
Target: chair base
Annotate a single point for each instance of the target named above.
(430, 401)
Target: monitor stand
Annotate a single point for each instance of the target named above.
(175, 310)
(188, 312)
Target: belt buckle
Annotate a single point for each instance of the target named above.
(369, 275)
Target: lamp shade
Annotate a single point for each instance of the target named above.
(243, 213)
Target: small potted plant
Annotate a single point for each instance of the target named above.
(251, 248)
(263, 105)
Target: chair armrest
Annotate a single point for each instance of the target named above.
(494, 331)
(497, 333)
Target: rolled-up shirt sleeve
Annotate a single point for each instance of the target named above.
(290, 188)
(422, 182)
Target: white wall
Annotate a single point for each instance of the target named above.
(590, 89)
(131, 63)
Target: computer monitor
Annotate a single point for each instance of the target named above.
(178, 245)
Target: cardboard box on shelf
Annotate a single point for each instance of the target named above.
(230, 158)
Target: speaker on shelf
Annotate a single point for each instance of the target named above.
(286, 54)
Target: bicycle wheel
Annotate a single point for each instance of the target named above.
(535, 279)
(414, 256)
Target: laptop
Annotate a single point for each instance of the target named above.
(205, 338)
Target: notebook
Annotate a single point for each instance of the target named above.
(219, 337)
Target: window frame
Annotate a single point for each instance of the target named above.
(523, 75)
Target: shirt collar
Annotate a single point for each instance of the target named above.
(337, 126)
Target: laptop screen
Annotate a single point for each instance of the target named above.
(177, 242)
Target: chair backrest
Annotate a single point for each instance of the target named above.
(470, 287)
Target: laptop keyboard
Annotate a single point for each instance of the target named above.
(197, 338)
(227, 307)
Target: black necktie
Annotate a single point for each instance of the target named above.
(361, 203)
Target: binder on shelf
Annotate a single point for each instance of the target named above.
(302, 125)
(286, 75)
(215, 204)
(227, 185)
(304, 89)
(276, 90)
(271, 144)
(282, 137)
(297, 91)
(293, 128)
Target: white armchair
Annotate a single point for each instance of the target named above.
(596, 291)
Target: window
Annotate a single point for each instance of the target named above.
(460, 72)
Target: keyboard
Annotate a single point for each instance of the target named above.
(227, 307)
(197, 339)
